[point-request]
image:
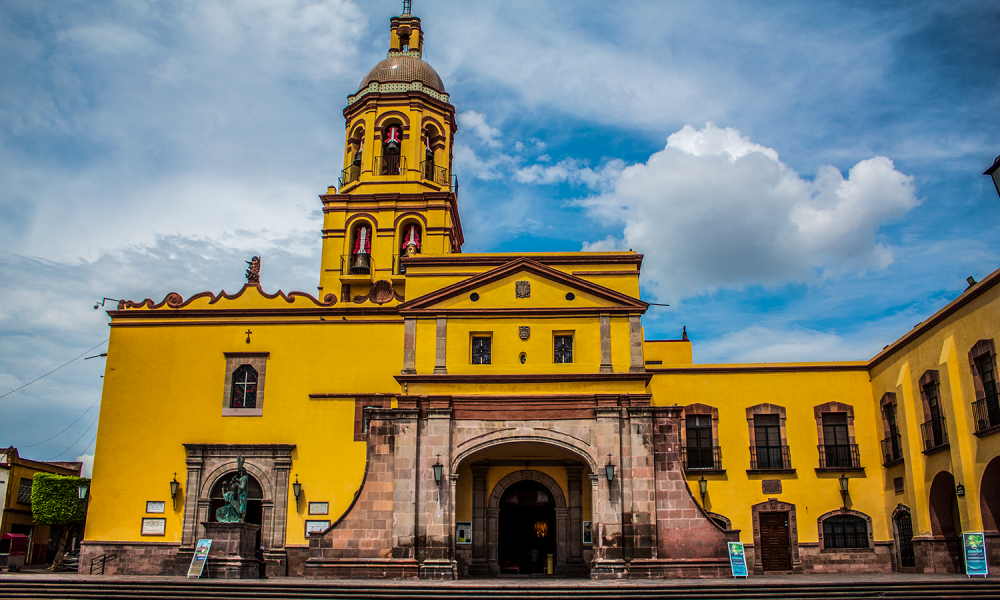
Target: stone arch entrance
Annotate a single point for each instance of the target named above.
(944, 550)
(989, 496)
(504, 559)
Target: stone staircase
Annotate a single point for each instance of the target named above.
(123, 588)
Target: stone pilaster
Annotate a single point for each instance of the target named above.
(606, 344)
(441, 347)
(409, 346)
(636, 364)
(641, 481)
(433, 498)
(608, 557)
(479, 566)
(404, 491)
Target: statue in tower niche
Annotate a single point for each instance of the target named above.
(235, 496)
(253, 271)
(411, 240)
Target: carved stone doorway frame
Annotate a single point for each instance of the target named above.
(775, 505)
(269, 464)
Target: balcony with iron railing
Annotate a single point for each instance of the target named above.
(702, 458)
(839, 456)
(390, 165)
(434, 173)
(935, 433)
(770, 458)
(986, 412)
(892, 450)
(351, 174)
(357, 264)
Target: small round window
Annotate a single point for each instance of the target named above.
(523, 358)
(474, 297)
(570, 296)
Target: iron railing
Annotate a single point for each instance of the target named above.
(390, 164)
(351, 174)
(844, 456)
(935, 433)
(99, 562)
(892, 449)
(770, 458)
(357, 264)
(699, 458)
(434, 173)
(987, 412)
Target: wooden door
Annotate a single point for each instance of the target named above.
(775, 553)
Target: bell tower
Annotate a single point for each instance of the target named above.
(396, 194)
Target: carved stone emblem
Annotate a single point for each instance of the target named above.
(522, 289)
(771, 486)
(524, 331)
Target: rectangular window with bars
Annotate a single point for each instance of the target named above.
(24, 491)
(563, 349)
(482, 350)
(700, 451)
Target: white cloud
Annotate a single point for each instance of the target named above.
(87, 470)
(477, 123)
(713, 209)
(572, 171)
(757, 344)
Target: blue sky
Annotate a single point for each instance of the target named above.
(804, 179)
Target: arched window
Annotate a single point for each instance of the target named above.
(699, 433)
(983, 361)
(391, 162)
(835, 431)
(768, 445)
(429, 168)
(361, 249)
(255, 495)
(934, 429)
(355, 155)
(892, 444)
(845, 531)
(243, 392)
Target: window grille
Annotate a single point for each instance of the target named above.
(481, 350)
(700, 450)
(564, 349)
(24, 491)
(987, 410)
(244, 392)
(845, 531)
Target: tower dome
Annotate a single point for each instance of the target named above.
(404, 68)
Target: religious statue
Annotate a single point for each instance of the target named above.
(235, 496)
(253, 271)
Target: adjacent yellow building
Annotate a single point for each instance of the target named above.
(436, 414)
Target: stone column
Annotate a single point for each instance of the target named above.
(191, 486)
(433, 527)
(623, 479)
(562, 541)
(574, 475)
(479, 567)
(409, 346)
(493, 541)
(404, 487)
(440, 347)
(642, 482)
(606, 344)
(636, 364)
(608, 560)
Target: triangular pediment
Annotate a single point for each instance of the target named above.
(523, 285)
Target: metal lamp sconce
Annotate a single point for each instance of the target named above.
(296, 488)
(703, 488)
(844, 482)
(438, 468)
(960, 490)
(609, 470)
(82, 491)
(175, 487)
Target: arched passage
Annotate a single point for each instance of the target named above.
(989, 496)
(945, 522)
(528, 526)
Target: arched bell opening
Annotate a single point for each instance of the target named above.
(432, 166)
(353, 156)
(359, 258)
(392, 161)
(410, 241)
(255, 501)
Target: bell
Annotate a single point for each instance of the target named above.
(392, 147)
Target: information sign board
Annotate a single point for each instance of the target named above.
(200, 558)
(975, 554)
(737, 560)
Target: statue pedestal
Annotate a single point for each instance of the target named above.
(232, 554)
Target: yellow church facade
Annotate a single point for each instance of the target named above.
(436, 414)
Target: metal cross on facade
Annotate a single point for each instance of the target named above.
(248, 335)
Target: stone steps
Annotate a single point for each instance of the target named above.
(26, 588)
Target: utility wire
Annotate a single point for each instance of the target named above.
(85, 432)
(67, 427)
(52, 371)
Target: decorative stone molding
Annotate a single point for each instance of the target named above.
(524, 331)
(522, 289)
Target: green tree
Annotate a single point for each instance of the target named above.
(55, 501)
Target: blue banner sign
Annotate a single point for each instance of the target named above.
(975, 554)
(200, 557)
(737, 560)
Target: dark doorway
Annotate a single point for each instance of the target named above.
(775, 551)
(904, 537)
(255, 501)
(527, 529)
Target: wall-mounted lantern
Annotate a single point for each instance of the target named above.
(175, 487)
(82, 490)
(703, 488)
(296, 488)
(609, 470)
(960, 490)
(844, 482)
(438, 468)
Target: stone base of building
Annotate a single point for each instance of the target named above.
(821, 562)
(608, 569)
(130, 558)
(678, 568)
(362, 568)
(232, 553)
(992, 550)
(939, 554)
(438, 569)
